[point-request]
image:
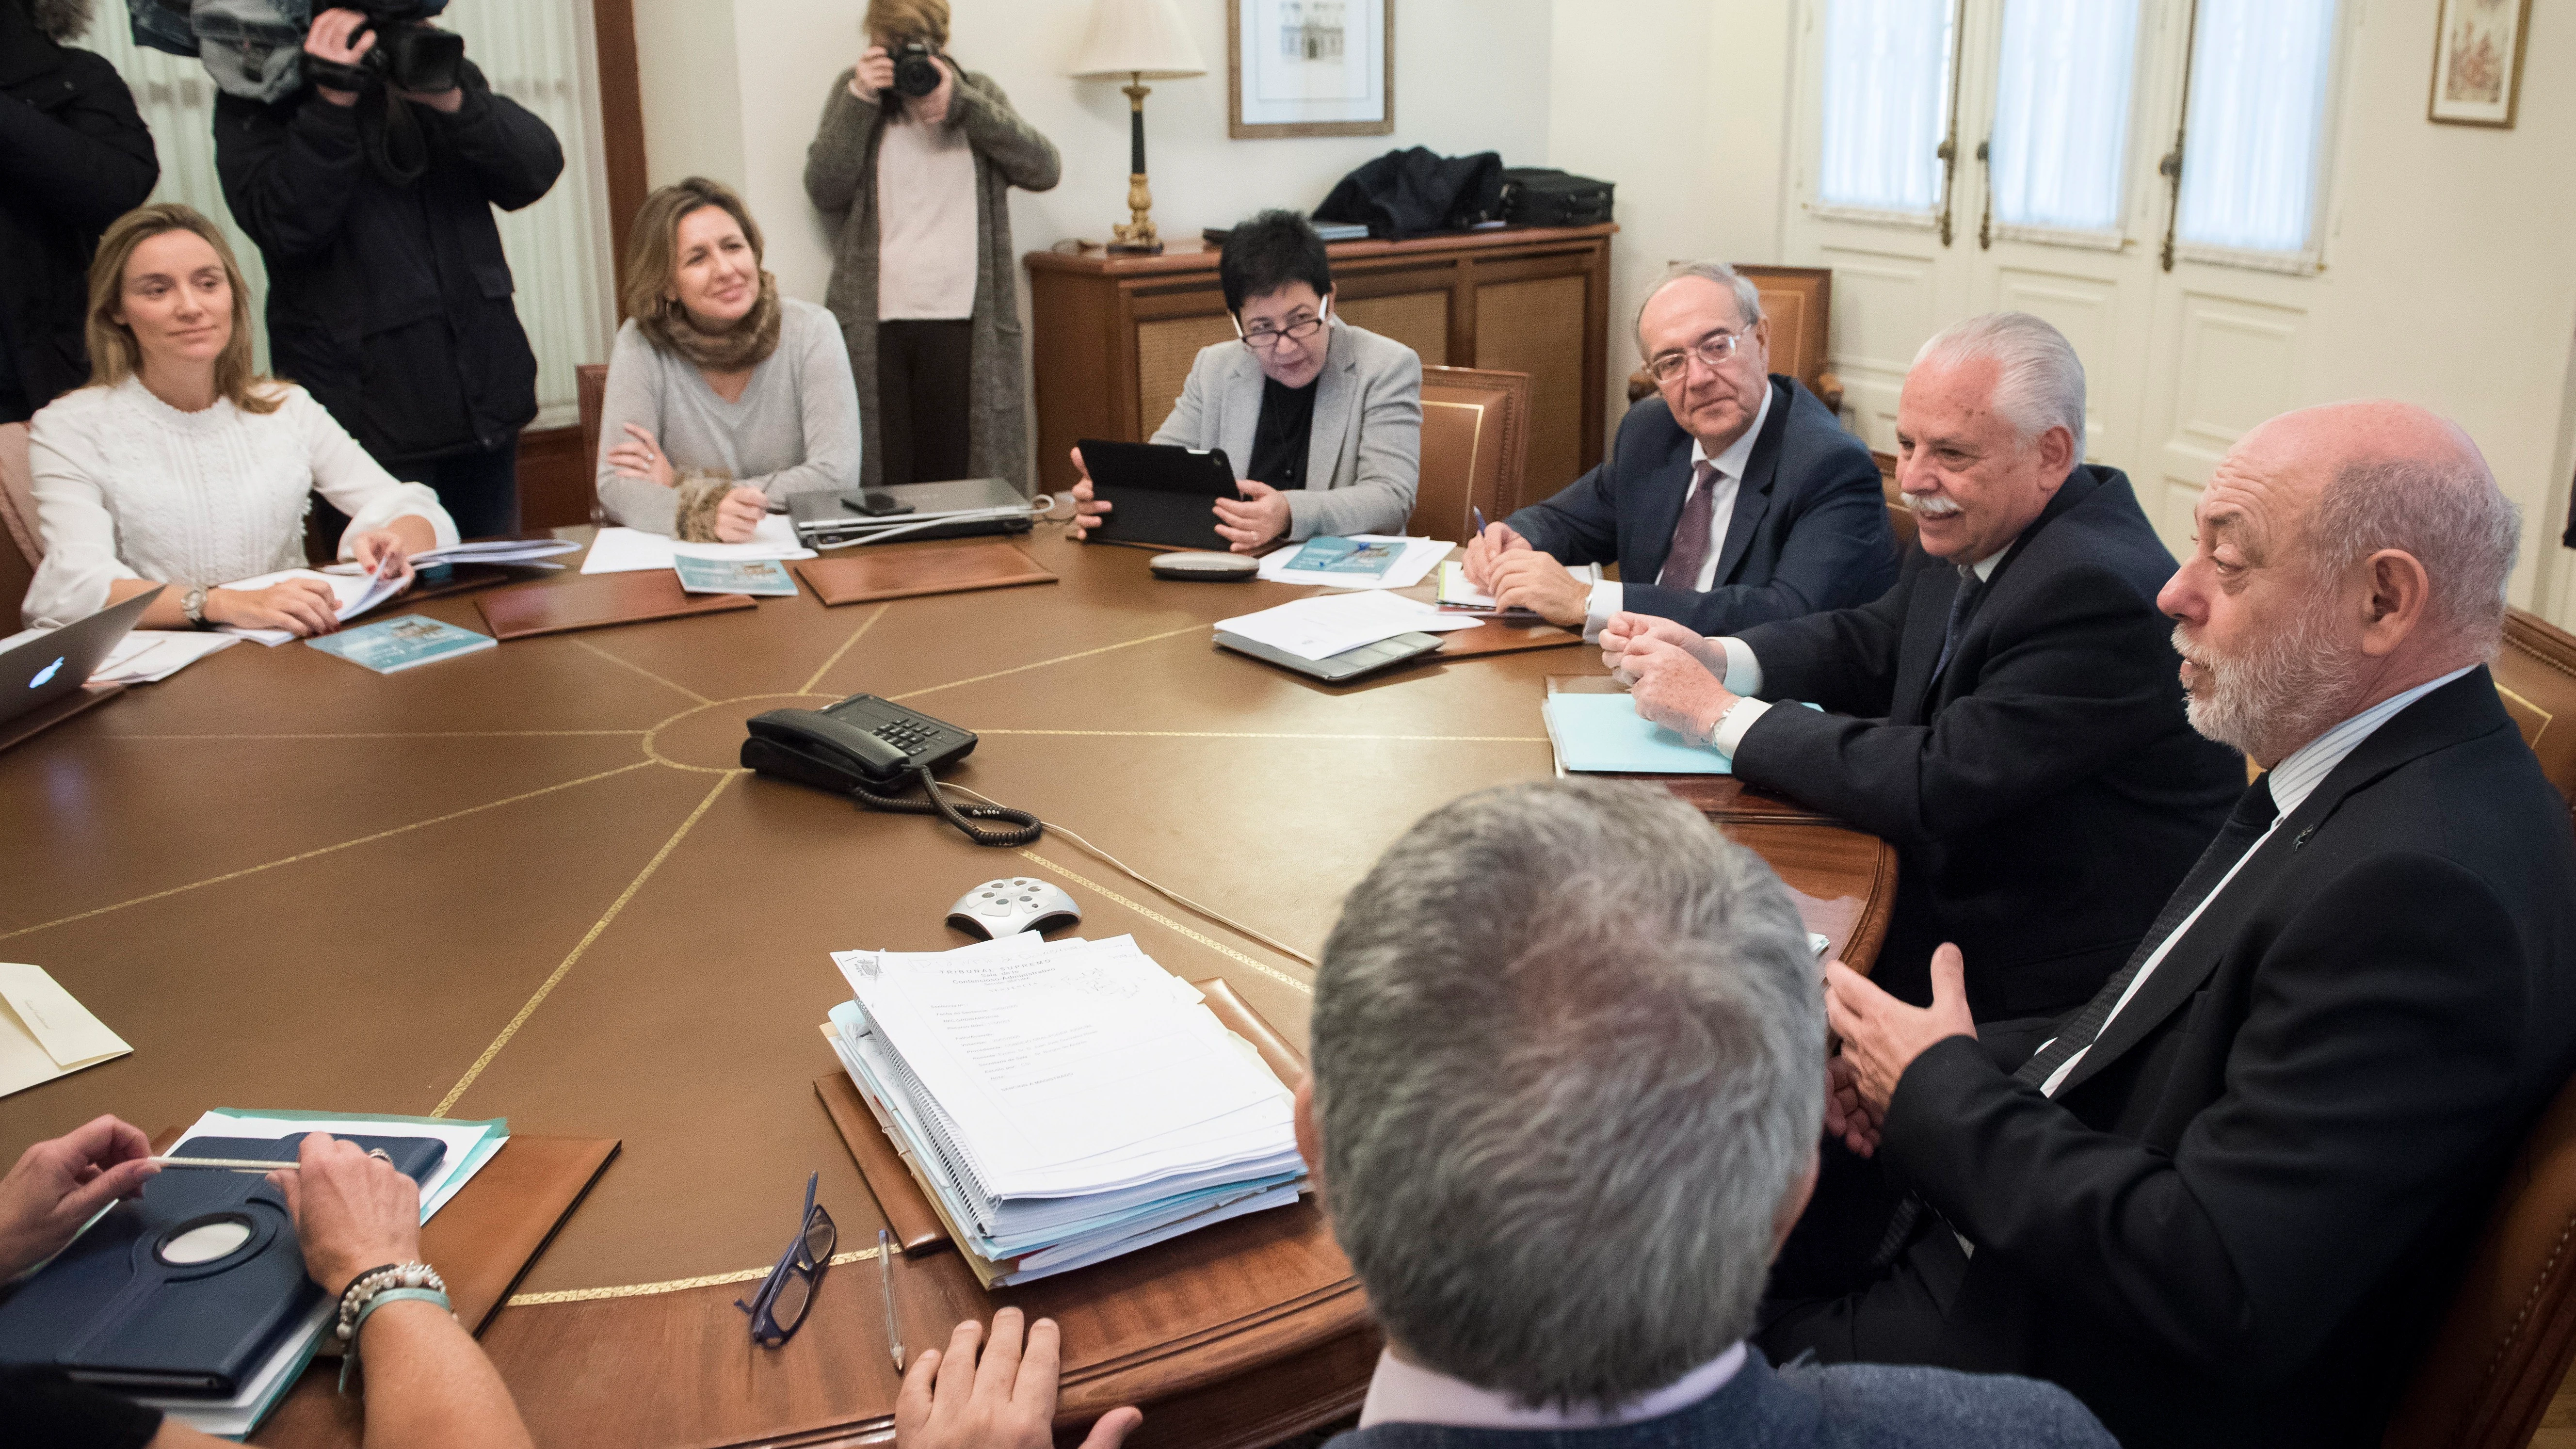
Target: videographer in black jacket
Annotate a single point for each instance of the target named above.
(74, 156)
(388, 296)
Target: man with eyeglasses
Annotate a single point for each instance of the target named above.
(1732, 498)
(1321, 420)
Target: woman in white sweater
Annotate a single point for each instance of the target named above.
(178, 466)
(722, 395)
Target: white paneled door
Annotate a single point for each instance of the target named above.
(2057, 198)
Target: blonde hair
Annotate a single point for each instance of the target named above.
(653, 241)
(909, 20)
(114, 355)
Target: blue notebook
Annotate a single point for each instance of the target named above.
(393, 645)
(1359, 558)
(1597, 733)
(733, 576)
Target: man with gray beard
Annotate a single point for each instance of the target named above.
(2005, 714)
(2225, 1200)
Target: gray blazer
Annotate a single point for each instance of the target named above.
(1365, 445)
(1803, 1406)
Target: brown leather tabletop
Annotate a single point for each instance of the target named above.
(533, 883)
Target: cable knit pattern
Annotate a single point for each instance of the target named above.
(129, 487)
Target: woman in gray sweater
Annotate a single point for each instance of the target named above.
(916, 190)
(722, 395)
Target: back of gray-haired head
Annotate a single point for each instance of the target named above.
(1568, 1044)
(2429, 493)
(1748, 298)
(2039, 381)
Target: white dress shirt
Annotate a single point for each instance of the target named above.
(1609, 597)
(1406, 1393)
(1744, 672)
(2293, 781)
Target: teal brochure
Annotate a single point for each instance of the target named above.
(1596, 733)
(1358, 558)
(733, 576)
(390, 646)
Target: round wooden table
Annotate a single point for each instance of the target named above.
(533, 883)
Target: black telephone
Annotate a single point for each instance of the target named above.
(863, 746)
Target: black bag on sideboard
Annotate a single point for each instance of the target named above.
(1541, 196)
(1409, 193)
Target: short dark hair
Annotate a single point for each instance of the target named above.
(1267, 253)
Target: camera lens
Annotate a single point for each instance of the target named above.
(915, 73)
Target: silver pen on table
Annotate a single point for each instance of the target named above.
(223, 1164)
(885, 1277)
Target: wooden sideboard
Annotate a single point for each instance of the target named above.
(1115, 334)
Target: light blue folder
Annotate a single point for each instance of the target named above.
(1597, 733)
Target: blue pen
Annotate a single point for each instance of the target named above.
(1477, 514)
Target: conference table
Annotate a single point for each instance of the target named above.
(533, 883)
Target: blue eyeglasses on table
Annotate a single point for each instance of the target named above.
(779, 1307)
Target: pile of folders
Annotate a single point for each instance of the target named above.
(1064, 1102)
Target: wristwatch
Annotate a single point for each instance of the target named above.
(193, 604)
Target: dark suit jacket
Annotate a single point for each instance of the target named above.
(1809, 529)
(2246, 1209)
(1804, 1406)
(2046, 794)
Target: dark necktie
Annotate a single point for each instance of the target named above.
(2252, 816)
(1961, 604)
(1683, 561)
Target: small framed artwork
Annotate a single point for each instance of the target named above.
(1310, 68)
(2477, 62)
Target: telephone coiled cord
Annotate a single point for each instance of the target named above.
(1029, 826)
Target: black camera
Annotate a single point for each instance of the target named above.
(915, 73)
(409, 54)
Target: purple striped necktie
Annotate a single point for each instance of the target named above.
(1689, 552)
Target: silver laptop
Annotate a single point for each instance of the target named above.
(36, 672)
(903, 512)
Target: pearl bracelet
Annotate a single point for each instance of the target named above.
(353, 1303)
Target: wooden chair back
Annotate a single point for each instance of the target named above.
(2535, 673)
(1475, 449)
(25, 545)
(2510, 1334)
(590, 385)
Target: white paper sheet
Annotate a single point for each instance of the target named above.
(44, 1032)
(629, 550)
(148, 656)
(1330, 624)
(357, 594)
(1419, 556)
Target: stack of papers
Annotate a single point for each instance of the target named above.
(629, 550)
(1603, 733)
(469, 1146)
(1063, 1102)
(1362, 561)
(1330, 624)
(357, 594)
(732, 576)
(148, 656)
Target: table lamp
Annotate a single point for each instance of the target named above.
(1140, 40)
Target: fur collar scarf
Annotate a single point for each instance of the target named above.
(746, 343)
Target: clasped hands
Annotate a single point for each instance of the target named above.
(641, 457)
(1245, 523)
(1673, 674)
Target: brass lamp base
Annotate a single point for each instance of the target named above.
(1137, 234)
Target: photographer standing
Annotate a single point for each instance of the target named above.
(74, 156)
(370, 193)
(913, 164)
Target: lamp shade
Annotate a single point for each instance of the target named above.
(1137, 38)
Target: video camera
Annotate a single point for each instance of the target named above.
(409, 54)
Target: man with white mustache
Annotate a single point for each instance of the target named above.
(2224, 1200)
(2005, 714)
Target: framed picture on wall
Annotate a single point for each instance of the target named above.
(2477, 62)
(1310, 68)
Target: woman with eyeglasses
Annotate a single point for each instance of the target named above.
(1321, 420)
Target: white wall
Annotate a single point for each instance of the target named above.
(739, 101)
